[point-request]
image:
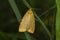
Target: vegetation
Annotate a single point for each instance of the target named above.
(12, 11)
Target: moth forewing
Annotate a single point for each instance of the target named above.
(28, 22)
(24, 22)
(31, 28)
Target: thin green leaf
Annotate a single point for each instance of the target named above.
(18, 15)
(6, 36)
(40, 21)
(15, 9)
(58, 20)
(29, 37)
(47, 10)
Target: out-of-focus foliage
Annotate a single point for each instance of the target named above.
(9, 23)
(58, 20)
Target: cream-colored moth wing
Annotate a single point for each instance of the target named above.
(28, 22)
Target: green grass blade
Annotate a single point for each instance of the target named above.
(58, 20)
(28, 37)
(15, 9)
(44, 26)
(18, 15)
(25, 2)
(40, 21)
(48, 10)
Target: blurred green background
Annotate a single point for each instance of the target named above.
(45, 10)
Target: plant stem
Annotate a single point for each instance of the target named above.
(18, 15)
(40, 21)
(15, 9)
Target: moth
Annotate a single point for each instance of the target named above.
(28, 22)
